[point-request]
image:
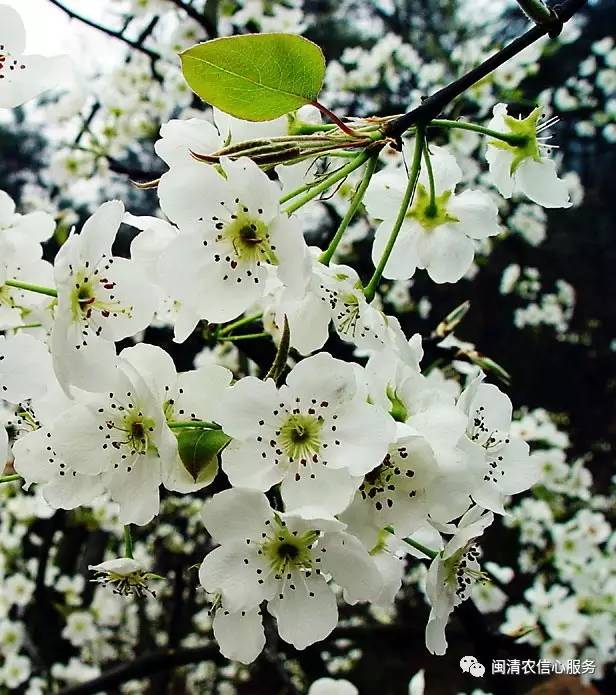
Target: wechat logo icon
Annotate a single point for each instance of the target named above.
(470, 665)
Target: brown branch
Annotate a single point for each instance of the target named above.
(145, 666)
(434, 104)
(200, 17)
(116, 34)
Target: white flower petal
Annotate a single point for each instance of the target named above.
(351, 567)
(236, 515)
(224, 571)
(240, 635)
(477, 214)
(450, 254)
(306, 614)
(540, 182)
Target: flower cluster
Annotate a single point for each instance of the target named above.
(308, 487)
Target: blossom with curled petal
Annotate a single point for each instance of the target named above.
(499, 462)
(527, 167)
(124, 575)
(452, 574)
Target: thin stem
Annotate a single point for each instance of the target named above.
(246, 336)
(9, 478)
(199, 17)
(185, 424)
(358, 196)
(431, 208)
(49, 291)
(433, 105)
(128, 542)
(536, 10)
(240, 322)
(24, 325)
(370, 289)
(415, 544)
(421, 547)
(297, 191)
(106, 30)
(510, 138)
(328, 182)
(332, 117)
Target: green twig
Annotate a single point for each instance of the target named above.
(416, 544)
(370, 289)
(201, 424)
(328, 182)
(282, 354)
(510, 138)
(245, 336)
(128, 542)
(31, 288)
(238, 323)
(9, 478)
(358, 196)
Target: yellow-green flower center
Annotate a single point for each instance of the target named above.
(525, 129)
(250, 239)
(138, 430)
(287, 551)
(300, 436)
(430, 213)
(88, 295)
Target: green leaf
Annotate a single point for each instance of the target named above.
(256, 77)
(199, 449)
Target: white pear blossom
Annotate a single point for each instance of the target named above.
(15, 670)
(120, 441)
(179, 138)
(123, 437)
(80, 628)
(452, 574)
(23, 77)
(436, 234)
(385, 547)
(499, 463)
(312, 435)
(283, 559)
(18, 590)
(333, 295)
(146, 251)
(230, 239)
(124, 575)
(36, 458)
(17, 231)
(395, 492)
(20, 307)
(193, 395)
(331, 686)
(11, 636)
(25, 368)
(526, 167)
(101, 299)
(424, 408)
